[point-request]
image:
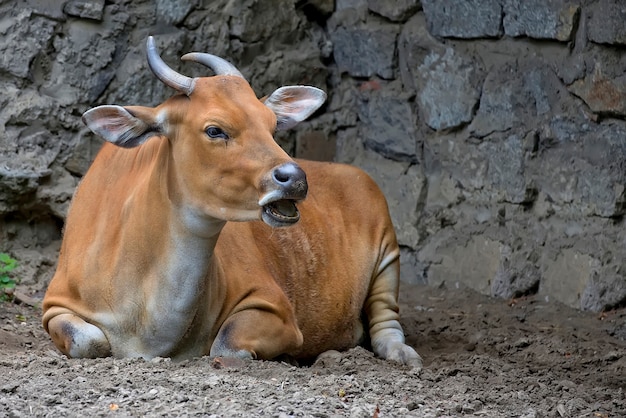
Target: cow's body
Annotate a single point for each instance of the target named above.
(151, 266)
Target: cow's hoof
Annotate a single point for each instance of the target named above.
(76, 338)
(228, 363)
(330, 358)
(404, 354)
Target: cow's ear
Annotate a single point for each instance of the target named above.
(293, 104)
(125, 127)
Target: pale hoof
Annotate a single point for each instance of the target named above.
(328, 358)
(403, 354)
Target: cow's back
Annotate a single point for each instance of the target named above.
(325, 262)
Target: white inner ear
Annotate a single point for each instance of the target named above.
(118, 126)
(293, 104)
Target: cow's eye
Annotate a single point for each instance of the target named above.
(215, 132)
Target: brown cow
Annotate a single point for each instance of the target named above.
(156, 260)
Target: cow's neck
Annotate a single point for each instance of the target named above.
(183, 277)
(192, 242)
(192, 235)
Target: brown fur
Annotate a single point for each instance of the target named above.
(138, 276)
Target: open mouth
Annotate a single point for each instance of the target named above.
(280, 212)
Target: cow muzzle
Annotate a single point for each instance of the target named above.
(288, 187)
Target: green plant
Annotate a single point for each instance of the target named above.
(7, 283)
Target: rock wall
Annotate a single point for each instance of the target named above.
(495, 127)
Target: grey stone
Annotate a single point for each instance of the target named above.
(323, 42)
(506, 172)
(287, 67)
(135, 84)
(397, 11)
(350, 14)
(315, 145)
(464, 19)
(443, 190)
(414, 44)
(58, 192)
(601, 183)
(496, 170)
(212, 36)
(513, 95)
(209, 22)
(249, 19)
(24, 167)
(404, 187)
(25, 107)
(83, 153)
(85, 61)
(389, 125)
(412, 271)
(539, 85)
(349, 145)
(344, 105)
(466, 262)
(21, 42)
(16, 188)
(86, 9)
(325, 7)
(451, 155)
(517, 274)
(47, 8)
(604, 291)
(500, 103)
(448, 89)
(365, 51)
(173, 12)
(89, 62)
(540, 19)
(610, 61)
(543, 207)
(604, 95)
(585, 179)
(565, 277)
(606, 22)
(572, 68)
(350, 4)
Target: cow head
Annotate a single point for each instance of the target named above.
(223, 162)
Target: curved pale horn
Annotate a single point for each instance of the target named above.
(164, 73)
(219, 65)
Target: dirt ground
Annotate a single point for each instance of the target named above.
(482, 357)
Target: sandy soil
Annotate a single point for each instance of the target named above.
(483, 357)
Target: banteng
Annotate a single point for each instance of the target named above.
(193, 233)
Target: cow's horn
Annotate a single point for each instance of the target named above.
(166, 74)
(218, 65)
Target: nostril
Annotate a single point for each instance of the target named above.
(291, 180)
(287, 173)
(281, 176)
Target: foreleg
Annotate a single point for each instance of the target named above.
(257, 333)
(77, 338)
